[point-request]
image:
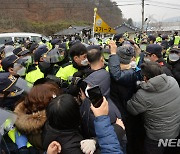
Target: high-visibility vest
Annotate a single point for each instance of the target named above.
(66, 72)
(34, 75)
(158, 39)
(12, 132)
(49, 45)
(177, 40)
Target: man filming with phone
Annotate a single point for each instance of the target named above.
(98, 85)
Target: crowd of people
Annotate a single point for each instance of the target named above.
(46, 85)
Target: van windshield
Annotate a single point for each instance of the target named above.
(4, 39)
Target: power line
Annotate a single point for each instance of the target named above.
(164, 6)
(163, 3)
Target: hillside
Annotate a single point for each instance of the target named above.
(49, 16)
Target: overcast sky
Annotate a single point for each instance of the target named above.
(155, 9)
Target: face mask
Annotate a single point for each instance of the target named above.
(19, 69)
(143, 47)
(173, 57)
(28, 59)
(84, 62)
(146, 59)
(22, 71)
(44, 66)
(56, 46)
(133, 64)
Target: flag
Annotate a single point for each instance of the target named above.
(102, 27)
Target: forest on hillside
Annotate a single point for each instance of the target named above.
(50, 16)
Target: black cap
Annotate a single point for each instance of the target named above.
(8, 61)
(55, 41)
(165, 36)
(7, 81)
(17, 51)
(33, 47)
(151, 38)
(39, 52)
(154, 49)
(118, 36)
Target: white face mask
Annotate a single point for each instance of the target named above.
(19, 69)
(22, 71)
(146, 59)
(84, 62)
(133, 64)
(143, 47)
(173, 57)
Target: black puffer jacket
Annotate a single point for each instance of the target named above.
(69, 139)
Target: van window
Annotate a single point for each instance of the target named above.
(36, 39)
(4, 39)
(20, 39)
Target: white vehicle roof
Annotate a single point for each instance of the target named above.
(19, 34)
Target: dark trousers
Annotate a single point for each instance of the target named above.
(151, 147)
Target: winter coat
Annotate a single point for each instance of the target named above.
(176, 71)
(102, 79)
(159, 101)
(123, 84)
(30, 124)
(166, 67)
(106, 136)
(69, 139)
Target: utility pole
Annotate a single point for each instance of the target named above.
(142, 16)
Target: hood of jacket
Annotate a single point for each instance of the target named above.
(29, 123)
(158, 83)
(101, 78)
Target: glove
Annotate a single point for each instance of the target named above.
(88, 146)
(21, 140)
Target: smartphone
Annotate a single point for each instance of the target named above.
(95, 96)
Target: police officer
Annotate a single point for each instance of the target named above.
(14, 65)
(176, 39)
(9, 94)
(40, 67)
(79, 64)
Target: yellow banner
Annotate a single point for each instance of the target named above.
(102, 27)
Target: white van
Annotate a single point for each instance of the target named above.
(21, 36)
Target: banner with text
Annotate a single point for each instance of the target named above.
(102, 27)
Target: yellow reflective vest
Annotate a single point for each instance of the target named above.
(34, 75)
(177, 40)
(158, 39)
(66, 72)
